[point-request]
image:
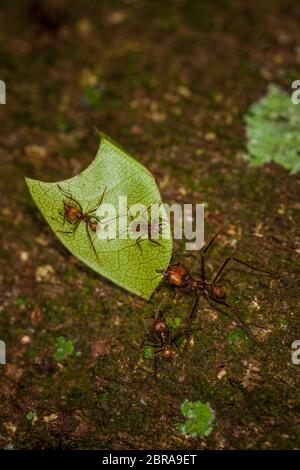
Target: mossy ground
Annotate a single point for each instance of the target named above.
(170, 82)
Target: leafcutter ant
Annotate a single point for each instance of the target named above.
(74, 214)
(162, 339)
(177, 276)
(142, 227)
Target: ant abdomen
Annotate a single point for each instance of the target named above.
(168, 353)
(93, 225)
(219, 292)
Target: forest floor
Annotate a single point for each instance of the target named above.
(171, 82)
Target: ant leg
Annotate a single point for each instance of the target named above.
(174, 341)
(203, 251)
(99, 203)
(69, 196)
(76, 225)
(155, 242)
(202, 267)
(235, 317)
(190, 320)
(158, 313)
(138, 242)
(58, 221)
(231, 258)
(173, 292)
(194, 306)
(161, 271)
(150, 316)
(155, 369)
(218, 301)
(210, 243)
(91, 242)
(150, 345)
(63, 223)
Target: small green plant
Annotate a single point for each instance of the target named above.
(236, 336)
(103, 397)
(92, 96)
(174, 323)
(148, 352)
(273, 130)
(20, 302)
(64, 348)
(30, 415)
(199, 418)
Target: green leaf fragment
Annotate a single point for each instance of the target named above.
(273, 125)
(131, 265)
(199, 418)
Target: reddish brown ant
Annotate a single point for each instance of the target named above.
(149, 228)
(144, 229)
(162, 340)
(177, 276)
(73, 213)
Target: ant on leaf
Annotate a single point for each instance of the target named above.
(74, 214)
(142, 227)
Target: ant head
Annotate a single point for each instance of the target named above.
(168, 353)
(160, 326)
(176, 274)
(219, 292)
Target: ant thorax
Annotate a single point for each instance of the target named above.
(72, 213)
(198, 284)
(148, 229)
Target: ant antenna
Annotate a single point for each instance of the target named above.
(159, 306)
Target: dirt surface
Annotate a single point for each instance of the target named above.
(171, 82)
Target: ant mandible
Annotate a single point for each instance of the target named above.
(73, 213)
(177, 276)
